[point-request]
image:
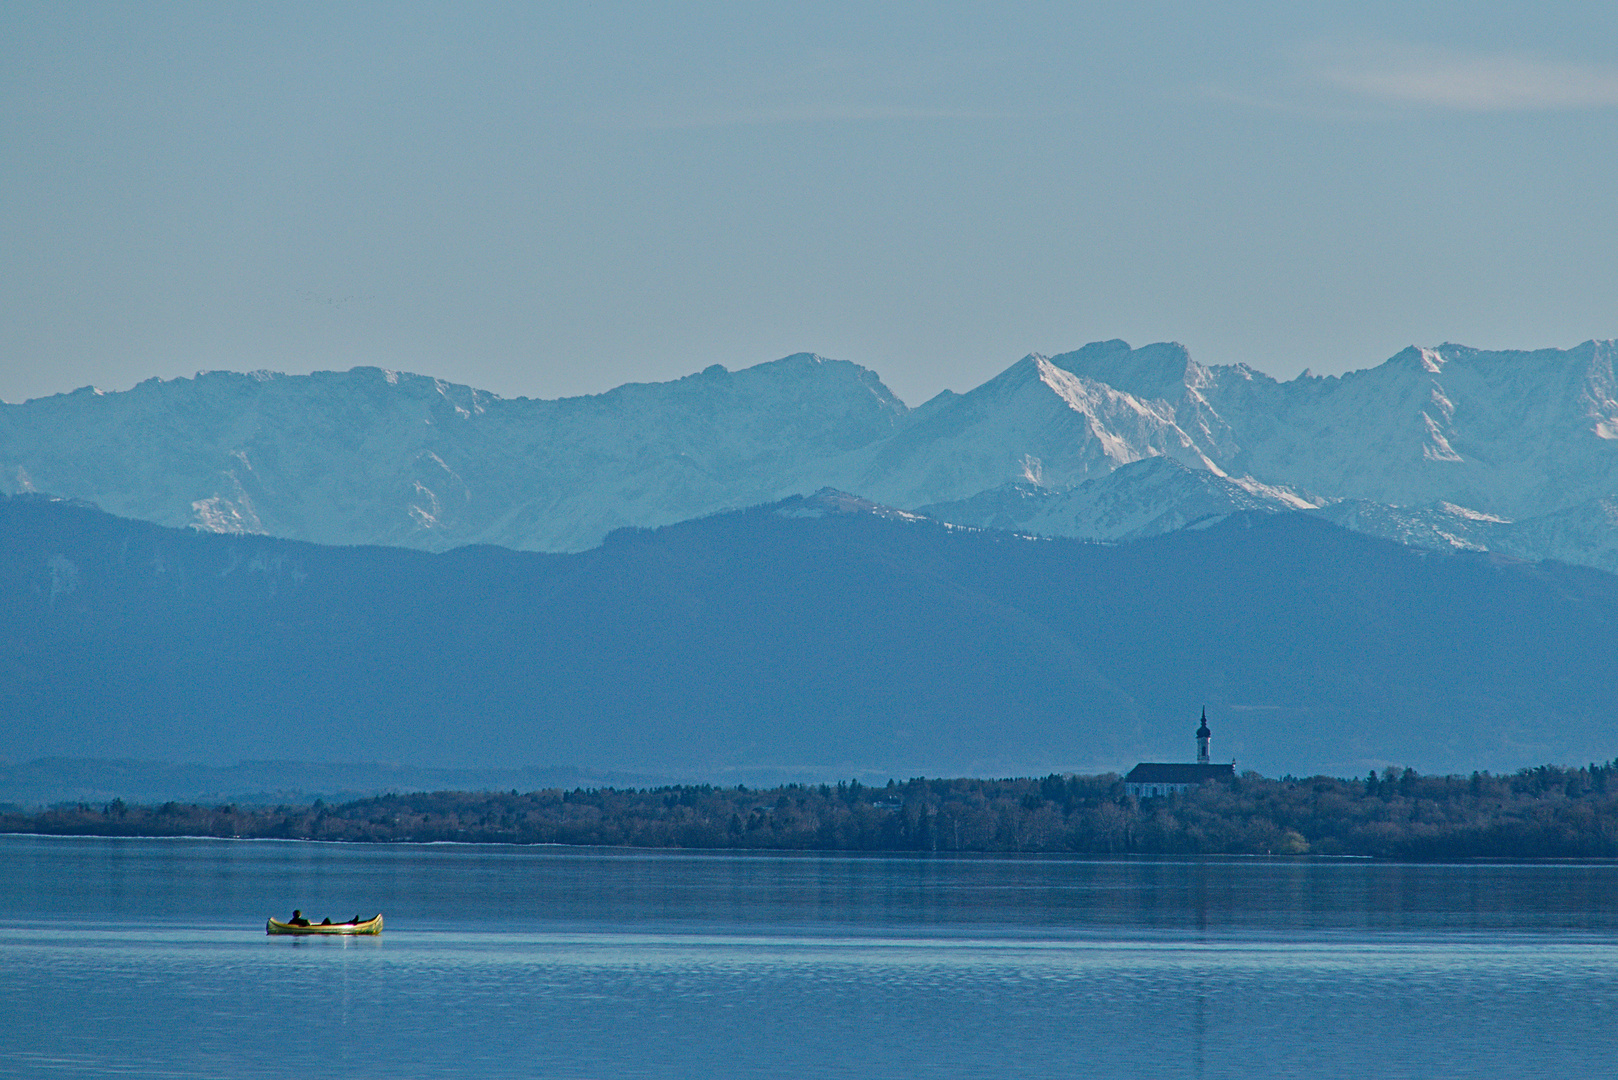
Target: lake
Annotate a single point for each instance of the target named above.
(148, 958)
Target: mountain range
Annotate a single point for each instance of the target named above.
(786, 573)
(1447, 447)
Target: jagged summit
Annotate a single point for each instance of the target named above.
(1152, 372)
(1035, 421)
(1487, 430)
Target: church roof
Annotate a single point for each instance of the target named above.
(1160, 772)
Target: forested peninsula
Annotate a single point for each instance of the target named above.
(1545, 812)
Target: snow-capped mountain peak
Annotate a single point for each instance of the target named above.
(1439, 446)
(377, 456)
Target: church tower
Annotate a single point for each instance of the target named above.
(1156, 779)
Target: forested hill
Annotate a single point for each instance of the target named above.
(1536, 813)
(812, 638)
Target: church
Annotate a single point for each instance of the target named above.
(1151, 779)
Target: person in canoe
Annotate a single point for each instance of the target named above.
(300, 925)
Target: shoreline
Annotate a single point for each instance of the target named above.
(1542, 814)
(974, 856)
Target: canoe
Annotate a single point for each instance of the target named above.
(369, 926)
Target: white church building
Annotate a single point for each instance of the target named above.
(1153, 779)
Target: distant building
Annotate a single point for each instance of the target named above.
(1151, 779)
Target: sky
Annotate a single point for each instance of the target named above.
(548, 200)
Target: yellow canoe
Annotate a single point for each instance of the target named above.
(369, 926)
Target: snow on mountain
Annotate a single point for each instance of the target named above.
(371, 456)
(1036, 421)
(1514, 434)
(1586, 534)
(1159, 495)
(1440, 526)
(1515, 452)
(1144, 498)
(1448, 447)
(829, 502)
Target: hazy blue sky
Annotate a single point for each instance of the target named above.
(556, 201)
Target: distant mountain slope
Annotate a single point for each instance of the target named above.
(1144, 498)
(1159, 495)
(372, 456)
(813, 637)
(1586, 534)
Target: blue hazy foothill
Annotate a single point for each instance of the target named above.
(810, 638)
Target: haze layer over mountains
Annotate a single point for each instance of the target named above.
(1448, 447)
(807, 639)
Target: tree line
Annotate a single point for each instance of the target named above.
(1545, 812)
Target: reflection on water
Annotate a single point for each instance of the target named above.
(148, 958)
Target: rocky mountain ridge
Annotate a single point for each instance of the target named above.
(1515, 452)
(370, 456)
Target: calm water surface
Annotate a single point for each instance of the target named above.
(140, 958)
